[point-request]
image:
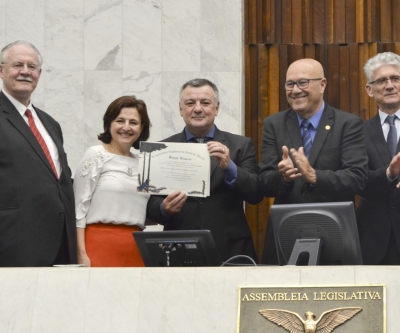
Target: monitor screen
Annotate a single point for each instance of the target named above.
(333, 224)
(180, 248)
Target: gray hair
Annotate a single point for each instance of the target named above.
(4, 51)
(381, 59)
(200, 83)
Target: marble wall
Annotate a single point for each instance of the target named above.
(162, 300)
(97, 50)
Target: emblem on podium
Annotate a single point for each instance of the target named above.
(327, 322)
(326, 309)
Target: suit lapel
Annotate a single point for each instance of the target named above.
(49, 128)
(181, 137)
(325, 125)
(53, 134)
(376, 134)
(398, 147)
(14, 117)
(218, 136)
(293, 129)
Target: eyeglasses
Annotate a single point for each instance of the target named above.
(302, 83)
(20, 66)
(382, 82)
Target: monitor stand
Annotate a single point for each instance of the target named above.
(168, 248)
(306, 248)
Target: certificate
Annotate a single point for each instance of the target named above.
(168, 166)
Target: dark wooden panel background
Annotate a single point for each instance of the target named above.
(341, 34)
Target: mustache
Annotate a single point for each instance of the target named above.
(23, 78)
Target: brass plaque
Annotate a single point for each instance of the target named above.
(306, 309)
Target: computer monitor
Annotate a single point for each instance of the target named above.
(180, 248)
(316, 234)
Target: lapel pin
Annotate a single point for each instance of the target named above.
(327, 127)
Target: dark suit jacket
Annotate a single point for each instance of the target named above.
(34, 206)
(338, 155)
(379, 208)
(222, 212)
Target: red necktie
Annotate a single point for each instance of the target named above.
(40, 139)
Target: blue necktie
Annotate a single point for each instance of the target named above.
(305, 124)
(392, 135)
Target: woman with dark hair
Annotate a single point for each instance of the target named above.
(108, 208)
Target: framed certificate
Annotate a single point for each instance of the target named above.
(168, 166)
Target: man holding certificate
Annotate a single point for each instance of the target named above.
(233, 177)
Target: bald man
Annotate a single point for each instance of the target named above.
(311, 152)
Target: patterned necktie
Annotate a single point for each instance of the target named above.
(305, 124)
(40, 139)
(200, 139)
(392, 135)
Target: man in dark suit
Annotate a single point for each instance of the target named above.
(37, 213)
(311, 152)
(378, 214)
(233, 177)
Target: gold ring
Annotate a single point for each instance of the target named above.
(223, 150)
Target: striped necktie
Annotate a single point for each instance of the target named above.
(305, 124)
(40, 139)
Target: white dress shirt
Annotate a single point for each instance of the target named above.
(46, 136)
(386, 126)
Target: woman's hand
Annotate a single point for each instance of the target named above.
(83, 259)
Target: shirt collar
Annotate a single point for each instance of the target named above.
(18, 105)
(189, 135)
(316, 117)
(383, 115)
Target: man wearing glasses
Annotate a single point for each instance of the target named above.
(378, 214)
(311, 152)
(37, 210)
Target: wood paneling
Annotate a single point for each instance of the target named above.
(321, 21)
(341, 34)
(350, 22)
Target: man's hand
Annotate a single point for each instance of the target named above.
(394, 168)
(307, 172)
(220, 152)
(173, 203)
(288, 172)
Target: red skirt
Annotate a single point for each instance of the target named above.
(112, 245)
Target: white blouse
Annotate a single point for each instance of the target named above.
(105, 189)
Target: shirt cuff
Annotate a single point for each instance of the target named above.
(165, 217)
(390, 180)
(231, 174)
(287, 186)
